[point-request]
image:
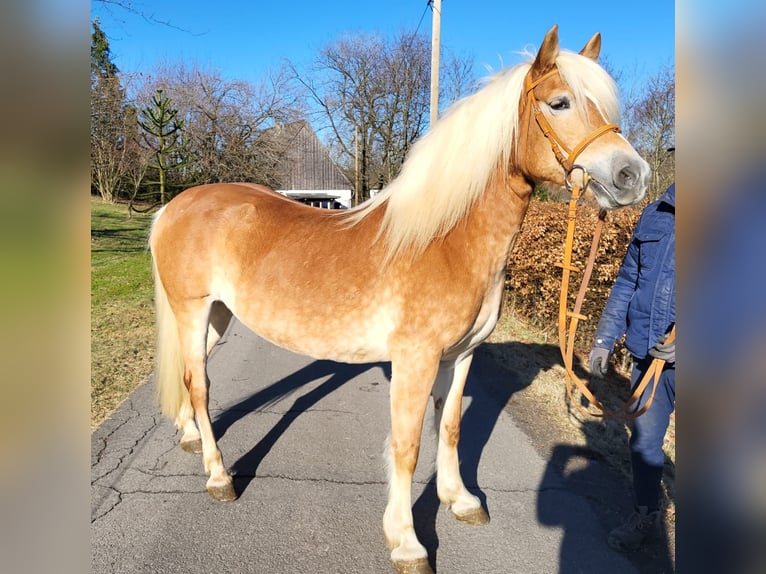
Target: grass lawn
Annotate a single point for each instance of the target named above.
(122, 323)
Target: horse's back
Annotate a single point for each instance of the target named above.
(206, 202)
(288, 271)
(238, 213)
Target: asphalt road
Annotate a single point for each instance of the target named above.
(304, 440)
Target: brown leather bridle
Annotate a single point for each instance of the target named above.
(564, 156)
(567, 331)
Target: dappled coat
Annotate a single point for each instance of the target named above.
(642, 302)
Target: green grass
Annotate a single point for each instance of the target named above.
(121, 306)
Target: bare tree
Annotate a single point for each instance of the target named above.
(130, 7)
(402, 113)
(224, 120)
(137, 158)
(107, 150)
(457, 79)
(650, 127)
(372, 93)
(342, 83)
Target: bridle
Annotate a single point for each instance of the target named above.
(567, 331)
(564, 156)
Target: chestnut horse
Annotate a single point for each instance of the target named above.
(421, 266)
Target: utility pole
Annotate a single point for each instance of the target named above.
(436, 8)
(356, 165)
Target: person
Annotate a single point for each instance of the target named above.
(641, 306)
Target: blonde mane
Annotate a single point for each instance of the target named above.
(452, 165)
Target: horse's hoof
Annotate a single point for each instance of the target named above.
(475, 517)
(224, 493)
(192, 446)
(419, 566)
(390, 544)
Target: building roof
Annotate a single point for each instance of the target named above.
(304, 163)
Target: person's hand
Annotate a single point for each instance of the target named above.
(599, 361)
(664, 351)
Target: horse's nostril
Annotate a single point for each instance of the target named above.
(626, 177)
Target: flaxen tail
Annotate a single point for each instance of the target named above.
(169, 364)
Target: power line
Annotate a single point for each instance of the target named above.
(429, 4)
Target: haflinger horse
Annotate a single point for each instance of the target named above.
(421, 266)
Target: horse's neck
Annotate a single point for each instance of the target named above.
(495, 219)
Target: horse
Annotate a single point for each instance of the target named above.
(421, 265)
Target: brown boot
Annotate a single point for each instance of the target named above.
(639, 526)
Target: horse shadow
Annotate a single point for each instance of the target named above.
(571, 469)
(244, 469)
(489, 387)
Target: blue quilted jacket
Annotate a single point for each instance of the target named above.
(642, 302)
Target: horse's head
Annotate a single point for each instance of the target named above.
(567, 136)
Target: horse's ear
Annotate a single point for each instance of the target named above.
(592, 48)
(546, 56)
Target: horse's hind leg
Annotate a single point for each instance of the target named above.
(411, 382)
(220, 316)
(190, 439)
(193, 329)
(448, 394)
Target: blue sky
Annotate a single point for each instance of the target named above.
(244, 39)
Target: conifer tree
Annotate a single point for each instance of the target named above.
(107, 119)
(164, 131)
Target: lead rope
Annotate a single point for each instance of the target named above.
(567, 331)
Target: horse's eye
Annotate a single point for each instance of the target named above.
(559, 104)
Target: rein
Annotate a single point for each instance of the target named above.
(568, 329)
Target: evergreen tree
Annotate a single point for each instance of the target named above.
(164, 131)
(107, 149)
(101, 65)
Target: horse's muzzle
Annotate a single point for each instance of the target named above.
(625, 185)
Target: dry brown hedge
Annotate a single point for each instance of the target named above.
(534, 282)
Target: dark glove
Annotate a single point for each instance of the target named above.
(599, 361)
(665, 351)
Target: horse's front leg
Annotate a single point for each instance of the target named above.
(448, 397)
(411, 382)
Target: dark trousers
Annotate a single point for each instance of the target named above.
(648, 434)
